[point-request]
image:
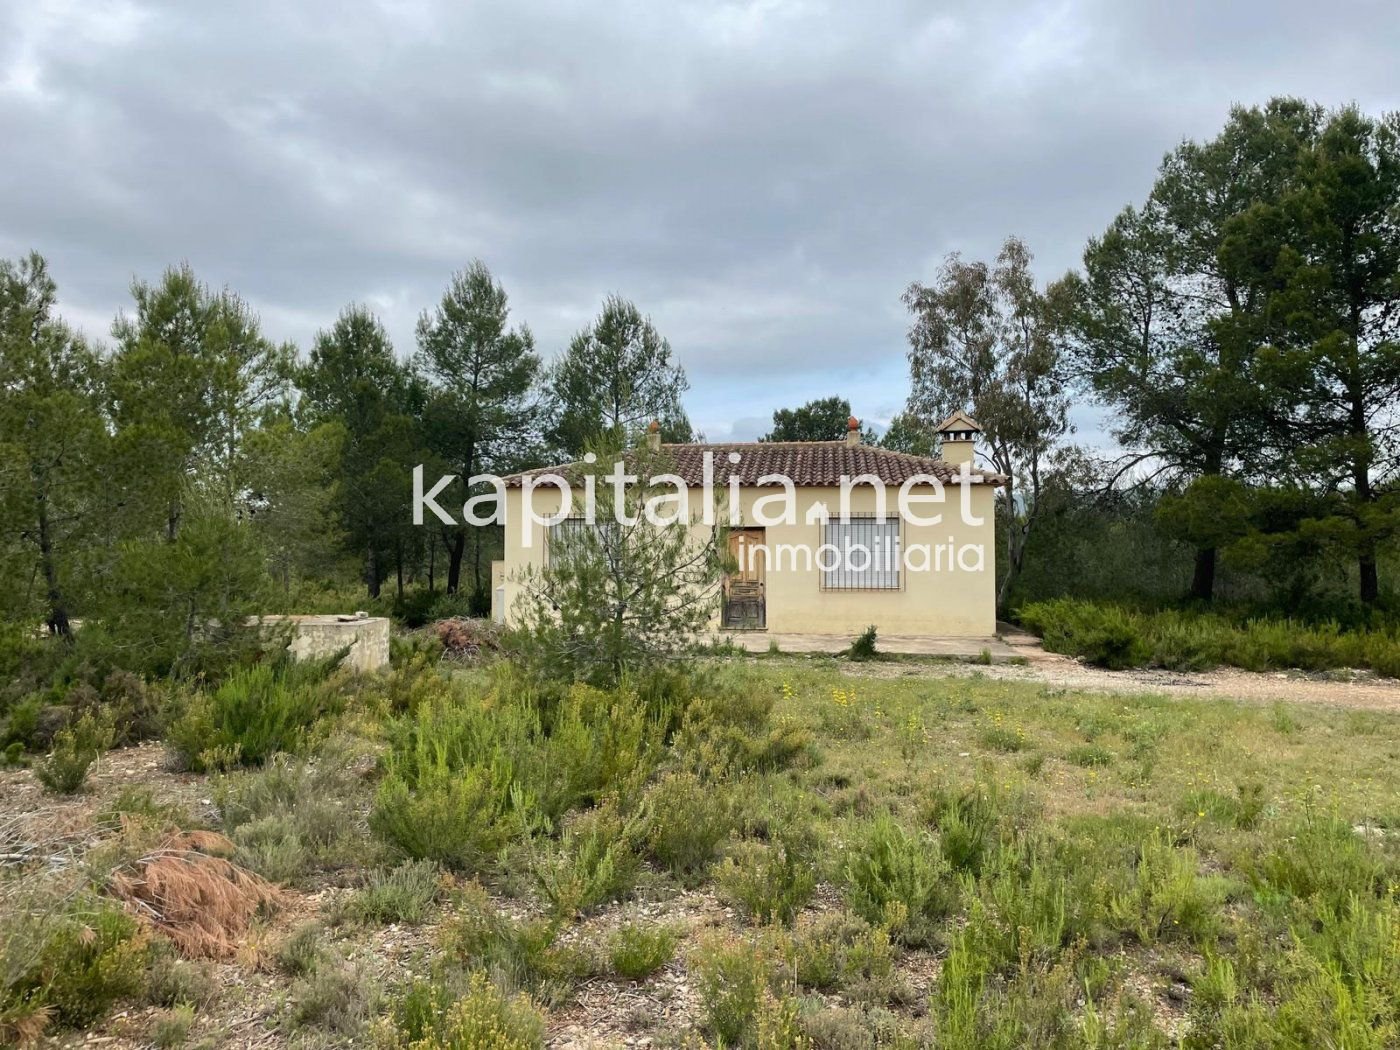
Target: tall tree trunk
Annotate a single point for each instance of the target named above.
(432, 561)
(1370, 577)
(1013, 548)
(398, 569)
(372, 572)
(58, 613)
(1203, 578)
(478, 589)
(454, 563)
(1367, 573)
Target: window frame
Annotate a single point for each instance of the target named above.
(888, 580)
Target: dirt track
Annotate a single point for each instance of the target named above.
(1346, 689)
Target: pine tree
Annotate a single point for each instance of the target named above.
(53, 440)
(614, 379)
(480, 415)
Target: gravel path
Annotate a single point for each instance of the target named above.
(1360, 690)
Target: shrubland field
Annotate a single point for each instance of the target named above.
(773, 853)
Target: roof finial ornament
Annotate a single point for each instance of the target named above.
(852, 432)
(654, 435)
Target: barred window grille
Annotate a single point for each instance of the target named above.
(569, 534)
(863, 553)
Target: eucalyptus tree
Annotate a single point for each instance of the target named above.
(985, 338)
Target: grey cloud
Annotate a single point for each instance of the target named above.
(764, 178)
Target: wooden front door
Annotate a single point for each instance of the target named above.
(744, 600)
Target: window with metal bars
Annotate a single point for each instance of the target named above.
(571, 532)
(862, 553)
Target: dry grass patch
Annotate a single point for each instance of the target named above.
(190, 891)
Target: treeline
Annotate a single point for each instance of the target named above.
(1241, 326)
(193, 470)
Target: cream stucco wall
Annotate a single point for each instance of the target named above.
(929, 602)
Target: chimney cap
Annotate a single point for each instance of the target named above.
(853, 423)
(654, 426)
(960, 422)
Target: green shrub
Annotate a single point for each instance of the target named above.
(484, 1018)
(734, 978)
(466, 774)
(1166, 897)
(1089, 756)
(137, 802)
(1002, 738)
(687, 821)
(272, 846)
(293, 815)
(172, 981)
(75, 749)
(769, 881)
(596, 861)
(172, 1028)
(254, 714)
(456, 818)
(399, 895)
(636, 951)
(731, 731)
(65, 954)
(1031, 903)
(1036, 1004)
(1244, 810)
(888, 866)
(1114, 637)
(837, 951)
(966, 822)
(302, 951)
(1105, 636)
(476, 936)
(340, 998)
(1319, 856)
(863, 648)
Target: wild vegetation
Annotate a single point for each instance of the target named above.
(827, 854)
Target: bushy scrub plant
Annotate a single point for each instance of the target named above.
(596, 860)
(75, 748)
(398, 895)
(255, 713)
(637, 950)
(889, 865)
(66, 955)
(687, 821)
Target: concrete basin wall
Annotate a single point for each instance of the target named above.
(316, 637)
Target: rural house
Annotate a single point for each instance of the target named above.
(815, 573)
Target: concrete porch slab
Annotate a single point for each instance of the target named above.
(893, 644)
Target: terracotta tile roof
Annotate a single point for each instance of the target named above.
(807, 463)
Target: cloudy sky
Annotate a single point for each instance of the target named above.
(763, 178)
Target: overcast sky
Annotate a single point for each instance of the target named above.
(764, 179)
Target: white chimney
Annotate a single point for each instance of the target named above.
(958, 438)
